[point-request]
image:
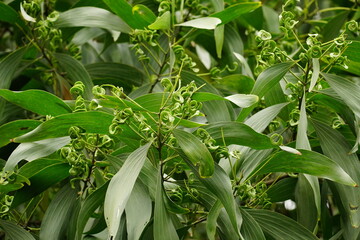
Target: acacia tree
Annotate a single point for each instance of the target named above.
(179, 119)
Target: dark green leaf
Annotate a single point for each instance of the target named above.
(16, 128)
(163, 226)
(212, 218)
(116, 73)
(8, 14)
(14, 231)
(250, 228)
(76, 72)
(196, 151)
(238, 133)
(37, 101)
(316, 164)
(132, 16)
(88, 207)
(56, 218)
(280, 227)
(42, 181)
(59, 126)
(282, 190)
(235, 11)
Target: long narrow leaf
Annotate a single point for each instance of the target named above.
(120, 188)
(196, 151)
(14, 231)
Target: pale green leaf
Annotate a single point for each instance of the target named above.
(138, 211)
(235, 10)
(91, 17)
(260, 120)
(250, 228)
(120, 188)
(162, 22)
(315, 73)
(196, 151)
(243, 100)
(202, 23)
(347, 90)
(219, 39)
(35, 150)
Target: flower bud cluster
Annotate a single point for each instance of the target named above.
(253, 195)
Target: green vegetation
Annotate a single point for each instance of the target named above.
(179, 119)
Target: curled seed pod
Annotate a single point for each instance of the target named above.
(262, 35)
(177, 97)
(176, 196)
(115, 129)
(92, 139)
(78, 144)
(276, 139)
(117, 91)
(94, 105)
(80, 104)
(340, 41)
(202, 134)
(167, 84)
(74, 171)
(98, 91)
(65, 151)
(75, 132)
(78, 88)
(166, 116)
(352, 26)
(294, 117)
(106, 141)
(52, 17)
(315, 51)
(72, 158)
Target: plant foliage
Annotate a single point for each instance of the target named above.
(179, 119)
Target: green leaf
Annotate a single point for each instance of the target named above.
(124, 10)
(347, 90)
(139, 202)
(235, 10)
(34, 167)
(76, 72)
(163, 227)
(211, 220)
(202, 23)
(88, 207)
(352, 52)
(196, 151)
(243, 100)
(8, 66)
(219, 39)
(115, 73)
(236, 83)
(332, 28)
(260, 120)
(282, 190)
(250, 228)
(335, 146)
(16, 128)
(219, 184)
(315, 73)
(280, 227)
(238, 133)
(41, 181)
(8, 14)
(120, 188)
(34, 150)
(215, 111)
(59, 126)
(91, 17)
(142, 12)
(33, 100)
(60, 210)
(265, 81)
(316, 164)
(14, 231)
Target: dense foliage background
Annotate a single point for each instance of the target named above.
(179, 119)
